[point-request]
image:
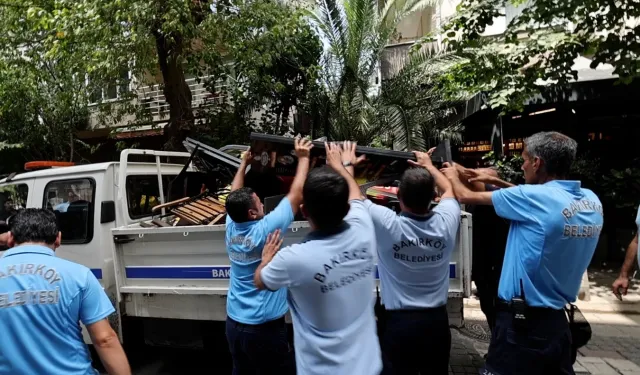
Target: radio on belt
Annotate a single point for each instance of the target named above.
(519, 309)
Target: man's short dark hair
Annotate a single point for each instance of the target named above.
(326, 197)
(238, 204)
(416, 190)
(35, 225)
(556, 150)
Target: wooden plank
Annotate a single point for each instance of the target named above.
(212, 199)
(191, 206)
(210, 211)
(169, 204)
(147, 225)
(190, 213)
(187, 215)
(217, 219)
(186, 218)
(212, 206)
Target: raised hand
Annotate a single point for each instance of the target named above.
(423, 159)
(303, 147)
(334, 156)
(483, 175)
(247, 156)
(349, 154)
(271, 246)
(450, 171)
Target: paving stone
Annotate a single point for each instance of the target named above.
(600, 353)
(596, 366)
(623, 365)
(578, 368)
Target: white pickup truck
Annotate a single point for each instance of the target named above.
(168, 283)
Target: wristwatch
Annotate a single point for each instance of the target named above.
(347, 164)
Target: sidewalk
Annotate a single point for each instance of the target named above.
(601, 298)
(614, 348)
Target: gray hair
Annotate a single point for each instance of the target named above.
(556, 150)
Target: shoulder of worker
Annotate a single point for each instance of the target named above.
(588, 193)
(39, 260)
(296, 257)
(531, 191)
(72, 270)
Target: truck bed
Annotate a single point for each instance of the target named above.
(183, 272)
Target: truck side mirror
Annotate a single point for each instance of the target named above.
(107, 212)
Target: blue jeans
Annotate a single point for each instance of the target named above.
(260, 349)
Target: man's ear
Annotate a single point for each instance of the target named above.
(537, 164)
(58, 241)
(11, 241)
(303, 210)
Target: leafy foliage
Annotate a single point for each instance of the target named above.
(623, 187)
(539, 45)
(509, 167)
(411, 105)
(59, 53)
(266, 53)
(356, 33)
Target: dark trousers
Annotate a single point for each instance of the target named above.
(416, 342)
(261, 348)
(541, 346)
(488, 295)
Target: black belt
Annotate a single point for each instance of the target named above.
(275, 323)
(418, 312)
(506, 306)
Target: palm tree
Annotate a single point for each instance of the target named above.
(412, 106)
(356, 33)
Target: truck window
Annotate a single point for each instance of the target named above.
(12, 199)
(73, 203)
(143, 194)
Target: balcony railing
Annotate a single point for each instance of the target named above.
(152, 97)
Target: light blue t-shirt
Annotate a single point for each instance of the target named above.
(414, 254)
(330, 278)
(245, 303)
(43, 299)
(62, 207)
(554, 232)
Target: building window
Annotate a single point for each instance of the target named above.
(113, 91)
(73, 203)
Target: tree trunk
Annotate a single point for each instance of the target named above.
(284, 122)
(176, 91)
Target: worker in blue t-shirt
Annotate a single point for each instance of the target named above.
(330, 276)
(621, 285)
(255, 328)
(43, 300)
(555, 226)
(414, 251)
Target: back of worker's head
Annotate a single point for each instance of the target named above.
(325, 198)
(548, 154)
(243, 205)
(34, 226)
(416, 191)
